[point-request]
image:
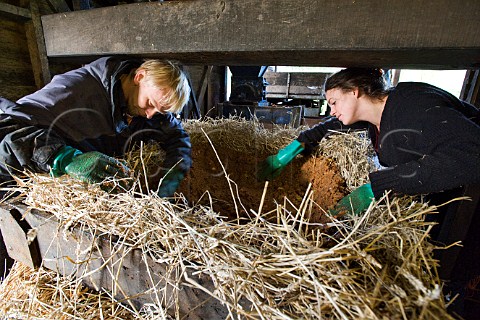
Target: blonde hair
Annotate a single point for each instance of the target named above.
(168, 75)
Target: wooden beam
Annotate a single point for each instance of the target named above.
(205, 81)
(105, 262)
(13, 12)
(432, 34)
(36, 47)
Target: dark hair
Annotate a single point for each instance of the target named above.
(368, 81)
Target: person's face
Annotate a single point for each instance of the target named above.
(149, 99)
(343, 105)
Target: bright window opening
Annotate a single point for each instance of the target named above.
(448, 80)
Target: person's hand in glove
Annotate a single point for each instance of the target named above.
(356, 202)
(170, 183)
(272, 167)
(90, 167)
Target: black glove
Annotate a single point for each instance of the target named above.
(170, 183)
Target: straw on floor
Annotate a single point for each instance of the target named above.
(376, 266)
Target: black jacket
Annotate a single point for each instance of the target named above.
(429, 141)
(83, 108)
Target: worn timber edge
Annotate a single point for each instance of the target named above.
(103, 262)
(429, 34)
(14, 12)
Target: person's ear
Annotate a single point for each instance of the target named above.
(356, 93)
(139, 75)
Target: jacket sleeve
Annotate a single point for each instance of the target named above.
(177, 147)
(23, 146)
(169, 133)
(312, 137)
(449, 157)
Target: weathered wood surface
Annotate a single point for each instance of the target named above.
(36, 47)
(428, 34)
(16, 76)
(15, 239)
(21, 69)
(295, 85)
(104, 262)
(14, 12)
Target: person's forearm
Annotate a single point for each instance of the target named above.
(23, 146)
(432, 173)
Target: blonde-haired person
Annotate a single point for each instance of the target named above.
(164, 75)
(79, 122)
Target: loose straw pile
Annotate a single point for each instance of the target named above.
(377, 266)
(240, 135)
(354, 155)
(43, 294)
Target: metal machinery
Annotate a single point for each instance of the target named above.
(248, 99)
(299, 88)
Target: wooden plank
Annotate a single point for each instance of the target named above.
(16, 76)
(15, 239)
(16, 67)
(201, 95)
(471, 87)
(433, 34)
(104, 262)
(13, 12)
(16, 73)
(15, 92)
(36, 46)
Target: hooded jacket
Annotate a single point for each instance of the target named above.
(84, 108)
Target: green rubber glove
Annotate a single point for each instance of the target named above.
(170, 183)
(91, 167)
(272, 167)
(356, 202)
(94, 167)
(63, 157)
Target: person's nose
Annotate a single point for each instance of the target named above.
(333, 110)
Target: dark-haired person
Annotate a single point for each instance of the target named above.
(427, 140)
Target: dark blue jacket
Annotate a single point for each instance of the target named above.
(83, 108)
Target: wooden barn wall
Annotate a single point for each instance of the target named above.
(215, 86)
(16, 75)
(16, 72)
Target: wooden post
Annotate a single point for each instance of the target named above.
(36, 47)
